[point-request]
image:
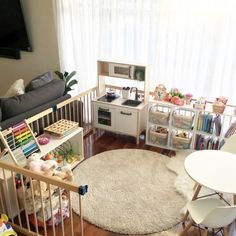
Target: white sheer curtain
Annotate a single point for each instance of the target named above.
(189, 44)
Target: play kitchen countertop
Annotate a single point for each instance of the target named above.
(119, 102)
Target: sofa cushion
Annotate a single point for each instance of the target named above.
(19, 104)
(39, 81)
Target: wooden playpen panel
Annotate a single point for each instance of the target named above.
(16, 205)
(75, 109)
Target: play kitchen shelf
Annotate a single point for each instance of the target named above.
(181, 127)
(122, 75)
(113, 109)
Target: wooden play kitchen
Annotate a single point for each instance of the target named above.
(118, 113)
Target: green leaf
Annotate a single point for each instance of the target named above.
(67, 89)
(59, 74)
(65, 74)
(72, 82)
(70, 76)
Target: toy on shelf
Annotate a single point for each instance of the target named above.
(188, 98)
(66, 153)
(200, 103)
(219, 105)
(43, 139)
(56, 155)
(70, 155)
(6, 229)
(176, 97)
(50, 156)
(19, 141)
(61, 128)
(59, 155)
(35, 164)
(160, 92)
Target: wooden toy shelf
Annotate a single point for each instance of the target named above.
(75, 137)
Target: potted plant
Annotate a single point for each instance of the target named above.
(67, 78)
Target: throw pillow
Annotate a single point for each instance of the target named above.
(39, 81)
(17, 88)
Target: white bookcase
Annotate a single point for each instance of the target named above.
(185, 119)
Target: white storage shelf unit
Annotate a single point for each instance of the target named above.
(195, 129)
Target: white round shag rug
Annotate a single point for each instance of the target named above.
(131, 191)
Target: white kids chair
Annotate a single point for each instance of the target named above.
(230, 145)
(210, 213)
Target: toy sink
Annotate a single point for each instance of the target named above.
(132, 103)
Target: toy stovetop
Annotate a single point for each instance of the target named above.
(61, 128)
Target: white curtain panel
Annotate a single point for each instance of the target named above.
(189, 44)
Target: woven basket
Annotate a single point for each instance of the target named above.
(180, 143)
(183, 122)
(157, 138)
(158, 117)
(218, 109)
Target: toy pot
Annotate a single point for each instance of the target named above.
(188, 99)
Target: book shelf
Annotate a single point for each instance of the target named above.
(181, 127)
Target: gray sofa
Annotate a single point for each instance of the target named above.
(18, 108)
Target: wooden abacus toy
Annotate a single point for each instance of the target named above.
(19, 141)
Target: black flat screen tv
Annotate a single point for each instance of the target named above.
(13, 33)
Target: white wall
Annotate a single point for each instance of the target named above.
(41, 30)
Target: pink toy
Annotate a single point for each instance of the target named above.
(36, 164)
(43, 139)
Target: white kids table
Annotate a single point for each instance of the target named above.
(213, 169)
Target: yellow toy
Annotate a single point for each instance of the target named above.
(6, 229)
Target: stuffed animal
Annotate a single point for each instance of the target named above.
(64, 174)
(35, 164)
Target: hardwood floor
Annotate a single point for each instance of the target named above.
(102, 141)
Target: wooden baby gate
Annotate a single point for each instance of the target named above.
(15, 201)
(16, 208)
